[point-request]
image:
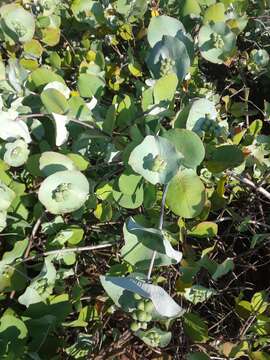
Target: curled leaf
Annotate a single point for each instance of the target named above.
(216, 42)
(140, 242)
(11, 128)
(61, 132)
(162, 301)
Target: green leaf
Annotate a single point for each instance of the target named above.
(78, 109)
(189, 144)
(50, 36)
(79, 161)
(197, 356)
(164, 88)
(87, 11)
(90, 85)
(216, 42)
(186, 194)
(260, 355)
(129, 201)
(197, 294)
(50, 162)
(72, 235)
(190, 8)
(205, 229)
(16, 252)
(169, 55)
(215, 13)
(54, 101)
(155, 159)
(223, 269)
(13, 334)
(163, 25)
(140, 242)
(194, 115)
(128, 182)
(103, 212)
(40, 329)
(82, 347)
(155, 337)
(109, 121)
(18, 24)
(43, 76)
(259, 302)
(59, 86)
(225, 157)
(195, 328)
(243, 308)
(33, 47)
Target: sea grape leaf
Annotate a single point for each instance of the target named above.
(163, 337)
(223, 268)
(186, 194)
(155, 159)
(189, 144)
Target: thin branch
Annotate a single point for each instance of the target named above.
(161, 220)
(82, 123)
(89, 126)
(67, 250)
(250, 183)
(33, 235)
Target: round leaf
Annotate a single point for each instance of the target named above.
(172, 49)
(16, 153)
(162, 25)
(216, 42)
(64, 191)
(155, 159)
(189, 144)
(19, 23)
(225, 157)
(90, 85)
(186, 194)
(51, 162)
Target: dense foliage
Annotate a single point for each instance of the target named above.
(134, 166)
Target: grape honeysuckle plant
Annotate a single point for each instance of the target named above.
(117, 136)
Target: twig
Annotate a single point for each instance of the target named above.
(250, 183)
(31, 240)
(67, 250)
(161, 219)
(33, 235)
(251, 320)
(92, 127)
(82, 123)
